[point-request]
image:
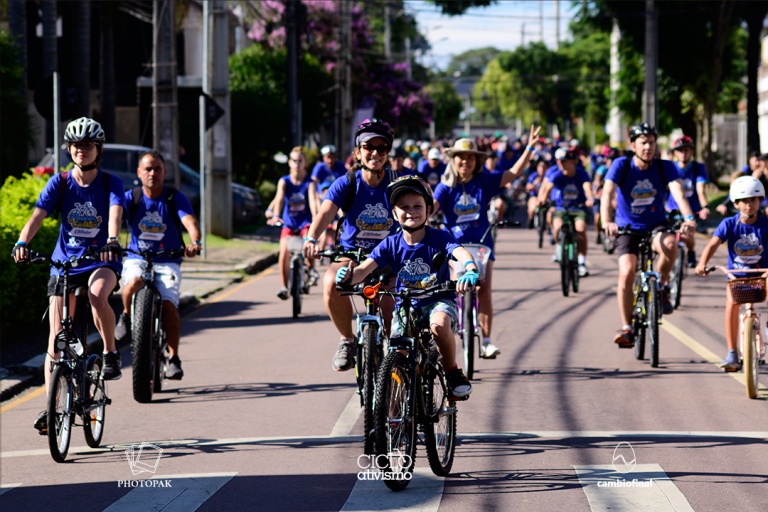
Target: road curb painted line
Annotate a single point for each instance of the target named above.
(348, 418)
(4, 488)
(186, 493)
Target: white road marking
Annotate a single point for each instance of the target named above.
(186, 494)
(423, 494)
(348, 418)
(4, 488)
(660, 496)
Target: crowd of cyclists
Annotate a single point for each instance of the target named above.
(401, 202)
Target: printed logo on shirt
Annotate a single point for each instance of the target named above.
(74, 242)
(688, 187)
(748, 249)
(152, 227)
(467, 209)
(85, 220)
(374, 222)
(643, 193)
(145, 246)
(416, 274)
(433, 177)
(296, 203)
(570, 192)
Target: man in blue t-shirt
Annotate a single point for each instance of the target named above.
(509, 157)
(330, 169)
(154, 229)
(639, 183)
(432, 168)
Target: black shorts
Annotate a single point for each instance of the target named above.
(56, 283)
(630, 244)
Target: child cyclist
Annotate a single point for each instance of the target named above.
(747, 237)
(409, 253)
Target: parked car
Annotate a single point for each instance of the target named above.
(122, 160)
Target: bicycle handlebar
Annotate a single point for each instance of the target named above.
(73, 262)
(170, 253)
(501, 224)
(356, 255)
(731, 271)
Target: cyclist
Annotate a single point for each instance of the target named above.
(532, 187)
(695, 179)
(90, 202)
(155, 216)
(747, 236)
(397, 158)
(575, 187)
(409, 253)
(368, 220)
(555, 194)
(431, 168)
(296, 199)
(511, 154)
(639, 183)
(597, 188)
(330, 168)
(463, 196)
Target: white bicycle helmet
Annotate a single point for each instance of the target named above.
(745, 187)
(84, 130)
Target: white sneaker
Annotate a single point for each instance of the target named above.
(583, 270)
(489, 351)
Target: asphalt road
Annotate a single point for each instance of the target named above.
(261, 422)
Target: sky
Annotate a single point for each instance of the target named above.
(500, 25)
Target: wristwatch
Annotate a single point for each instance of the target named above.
(197, 243)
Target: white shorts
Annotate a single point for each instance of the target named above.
(167, 277)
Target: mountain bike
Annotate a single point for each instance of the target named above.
(748, 291)
(469, 327)
(646, 305)
(679, 269)
(540, 221)
(148, 339)
(76, 386)
(412, 392)
(569, 251)
(298, 274)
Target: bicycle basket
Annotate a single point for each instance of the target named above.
(747, 290)
(294, 243)
(481, 254)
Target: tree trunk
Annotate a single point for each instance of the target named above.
(107, 71)
(50, 54)
(753, 13)
(81, 65)
(17, 22)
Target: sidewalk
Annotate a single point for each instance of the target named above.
(223, 266)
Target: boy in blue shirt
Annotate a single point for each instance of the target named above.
(409, 254)
(747, 237)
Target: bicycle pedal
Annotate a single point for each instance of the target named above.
(108, 401)
(488, 357)
(452, 398)
(625, 345)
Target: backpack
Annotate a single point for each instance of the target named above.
(170, 203)
(350, 199)
(105, 177)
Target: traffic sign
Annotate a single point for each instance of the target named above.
(213, 111)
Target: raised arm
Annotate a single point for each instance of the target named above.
(525, 158)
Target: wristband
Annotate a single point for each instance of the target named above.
(476, 269)
(21, 243)
(690, 217)
(268, 210)
(198, 243)
(529, 148)
(113, 239)
(705, 206)
(311, 240)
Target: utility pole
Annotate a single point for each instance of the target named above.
(650, 104)
(50, 58)
(615, 136)
(165, 109)
(292, 62)
(344, 108)
(409, 73)
(541, 21)
(522, 36)
(387, 33)
(467, 107)
(557, 25)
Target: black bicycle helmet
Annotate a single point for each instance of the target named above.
(377, 128)
(642, 129)
(84, 130)
(409, 183)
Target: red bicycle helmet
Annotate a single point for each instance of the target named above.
(683, 142)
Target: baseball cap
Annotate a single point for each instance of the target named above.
(574, 143)
(434, 154)
(425, 145)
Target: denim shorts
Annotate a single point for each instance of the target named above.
(441, 306)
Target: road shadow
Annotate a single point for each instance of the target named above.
(245, 391)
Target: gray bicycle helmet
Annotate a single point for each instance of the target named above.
(84, 130)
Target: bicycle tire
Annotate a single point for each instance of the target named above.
(574, 260)
(93, 420)
(160, 367)
(564, 269)
(296, 287)
(143, 345)
(468, 334)
(370, 363)
(59, 413)
(680, 275)
(638, 321)
(439, 437)
(395, 423)
(542, 227)
(653, 315)
(749, 352)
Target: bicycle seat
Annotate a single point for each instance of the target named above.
(81, 291)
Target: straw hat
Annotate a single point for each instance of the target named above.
(451, 175)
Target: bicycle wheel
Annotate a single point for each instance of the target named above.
(653, 308)
(542, 226)
(395, 425)
(161, 364)
(296, 287)
(59, 413)
(468, 334)
(574, 260)
(750, 356)
(638, 320)
(439, 435)
(370, 365)
(145, 310)
(93, 420)
(679, 276)
(565, 272)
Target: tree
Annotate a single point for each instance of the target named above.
(471, 62)
(753, 14)
(448, 106)
(458, 7)
(15, 124)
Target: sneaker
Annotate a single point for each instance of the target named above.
(556, 256)
(345, 355)
(731, 362)
(583, 270)
(283, 293)
(599, 239)
(666, 305)
(624, 338)
(551, 239)
(489, 351)
(691, 259)
(314, 277)
(530, 223)
(112, 364)
(123, 327)
(174, 371)
(41, 423)
(459, 385)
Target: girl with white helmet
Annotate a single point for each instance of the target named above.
(747, 236)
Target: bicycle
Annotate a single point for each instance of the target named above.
(76, 385)
(569, 254)
(298, 274)
(412, 391)
(679, 269)
(748, 291)
(540, 221)
(148, 339)
(646, 305)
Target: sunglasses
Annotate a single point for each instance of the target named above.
(86, 146)
(382, 149)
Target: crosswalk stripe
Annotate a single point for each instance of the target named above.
(348, 418)
(186, 493)
(646, 488)
(422, 495)
(4, 488)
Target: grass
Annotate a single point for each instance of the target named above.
(223, 243)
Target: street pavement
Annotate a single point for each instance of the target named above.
(261, 422)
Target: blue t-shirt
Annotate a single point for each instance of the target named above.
(370, 220)
(693, 173)
(532, 179)
(412, 265)
(153, 229)
(465, 205)
(746, 243)
(571, 190)
(84, 217)
(296, 213)
(640, 196)
(322, 173)
(554, 196)
(505, 163)
(430, 175)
